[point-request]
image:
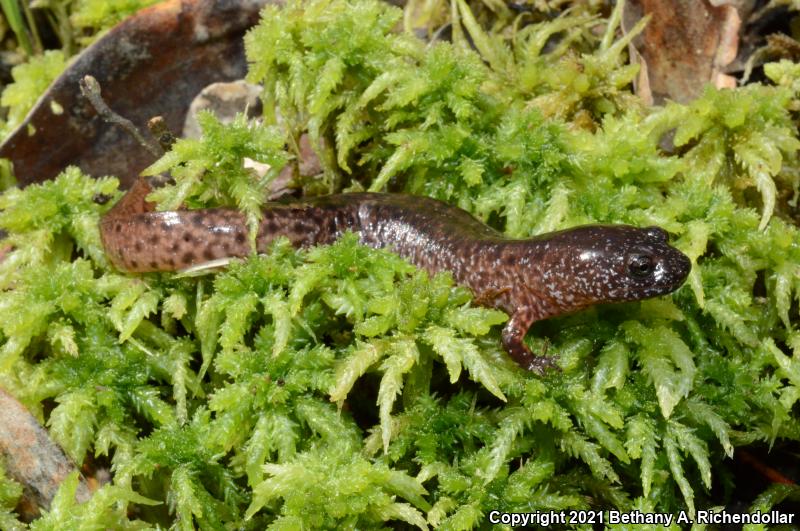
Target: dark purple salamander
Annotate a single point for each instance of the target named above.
(531, 279)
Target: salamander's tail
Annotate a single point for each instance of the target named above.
(133, 202)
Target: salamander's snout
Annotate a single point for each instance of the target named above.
(676, 267)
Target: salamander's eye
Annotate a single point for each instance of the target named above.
(640, 265)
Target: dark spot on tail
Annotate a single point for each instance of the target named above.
(270, 226)
(188, 258)
(240, 237)
(208, 254)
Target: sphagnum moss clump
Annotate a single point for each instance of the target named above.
(338, 386)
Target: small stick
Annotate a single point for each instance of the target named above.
(90, 88)
(159, 130)
(166, 139)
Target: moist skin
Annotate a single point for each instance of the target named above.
(532, 279)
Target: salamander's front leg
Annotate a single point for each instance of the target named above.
(513, 335)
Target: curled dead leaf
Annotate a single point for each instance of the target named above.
(153, 63)
(686, 45)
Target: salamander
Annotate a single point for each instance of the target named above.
(530, 279)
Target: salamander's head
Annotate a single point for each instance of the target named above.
(608, 263)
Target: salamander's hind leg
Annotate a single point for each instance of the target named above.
(513, 335)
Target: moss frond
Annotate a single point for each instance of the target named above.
(31, 79)
(339, 386)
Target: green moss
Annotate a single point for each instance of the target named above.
(339, 386)
(211, 170)
(31, 79)
(103, 511)
(10, 493)
(99, 15)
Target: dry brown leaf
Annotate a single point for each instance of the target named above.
(153, 63)
(686, 45)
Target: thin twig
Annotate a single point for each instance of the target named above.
(90, 88)
(159, 130)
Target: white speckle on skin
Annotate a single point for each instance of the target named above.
(172, 218)
(201, 33)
